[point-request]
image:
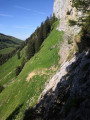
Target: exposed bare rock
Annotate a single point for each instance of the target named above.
(60, 7)
(64, 10)
(66, 97)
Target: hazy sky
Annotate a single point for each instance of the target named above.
(20, 18)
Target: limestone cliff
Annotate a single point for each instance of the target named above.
(66, 95)
(60, 7)
(64, 10)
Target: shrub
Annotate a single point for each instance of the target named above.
(72, 22)
(18, 70)
(1, 88)
(70, 42)
(18, 54)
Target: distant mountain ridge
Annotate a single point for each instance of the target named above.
(8, 42)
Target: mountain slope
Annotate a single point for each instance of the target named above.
(66, 97)
(8, 43)
(24, 91)
(62, 86)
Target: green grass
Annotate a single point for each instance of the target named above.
(11, 38)
(8, 43)
(7, 70)
(7, 50)
(21, 92)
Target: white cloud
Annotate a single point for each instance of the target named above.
(27, 9)
(6, 15)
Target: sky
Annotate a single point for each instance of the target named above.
(20, 18)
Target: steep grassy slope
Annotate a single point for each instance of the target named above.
(7, 70)
(8, 43)
(26, 88)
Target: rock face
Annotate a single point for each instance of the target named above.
(60, 7)
(66, 97)
(64, 10)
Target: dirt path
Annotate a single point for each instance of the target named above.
(65, 48)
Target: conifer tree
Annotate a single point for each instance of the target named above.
(1, 88)
(30, 51)
(36, 39)
(18, 54)
(18, 70)
(22, 63)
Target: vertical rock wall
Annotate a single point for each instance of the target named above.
(64, 10)
(60, 7)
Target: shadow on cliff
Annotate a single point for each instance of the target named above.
(71, 99)
(84, 43)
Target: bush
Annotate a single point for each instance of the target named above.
(1, 88)
(72, 22)
(85, 38)
(84, 43)
(18, 54)
(70, 42)
(19, 68)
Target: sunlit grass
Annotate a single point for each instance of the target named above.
(27, 93)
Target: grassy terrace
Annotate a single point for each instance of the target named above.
(23, 91)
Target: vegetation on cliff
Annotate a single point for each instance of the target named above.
(84, 22)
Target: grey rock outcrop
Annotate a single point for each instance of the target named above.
(66, 97)
(60, 7)
(64, 10)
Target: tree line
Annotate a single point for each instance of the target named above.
(33, 43)
(36, 39)
(5, 57)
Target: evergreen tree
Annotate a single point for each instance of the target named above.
(30, 51)
(36, 39)
(1, 88)
(46, 28)
(18, 70)
(37, 45)
(22, 63)
(18, 54)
